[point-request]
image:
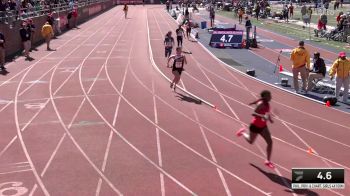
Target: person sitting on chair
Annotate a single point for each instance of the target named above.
(318, 71)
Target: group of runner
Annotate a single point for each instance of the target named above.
(179, 58)
(261, 113)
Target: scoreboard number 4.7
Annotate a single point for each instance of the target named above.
(223, 38)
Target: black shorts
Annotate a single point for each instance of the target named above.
(256, 129)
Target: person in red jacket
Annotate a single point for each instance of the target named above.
(259, 124)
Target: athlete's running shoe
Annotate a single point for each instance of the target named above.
(240, 132)
(269, 164)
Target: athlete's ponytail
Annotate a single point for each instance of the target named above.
(263, 95)
(255, 102)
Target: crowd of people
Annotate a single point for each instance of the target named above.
(28, 31)
(12, 10)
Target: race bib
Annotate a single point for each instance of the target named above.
(178, 62)
(169, 44)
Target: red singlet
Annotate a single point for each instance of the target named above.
(258, 121)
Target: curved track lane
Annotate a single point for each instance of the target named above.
(98, 118)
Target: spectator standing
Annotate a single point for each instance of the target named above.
(248, 26)
(291, 10)
(336, 4)
(257, 11)
(240, 15)
(75, 17)
(318, 71)
(212, 16)
(31, 28)
(2, 51)
(25, 37)
(303, 10)
(341, 68)
(326, 5)
(324, 21)
(285, 13)
(301, 61)
(47, 33)
(309, 13)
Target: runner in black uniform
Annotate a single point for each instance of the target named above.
(168, 43)
(179, 61)
(179, 35)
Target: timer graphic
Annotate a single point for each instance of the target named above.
(318, 178)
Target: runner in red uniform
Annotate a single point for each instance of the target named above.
(259, 124)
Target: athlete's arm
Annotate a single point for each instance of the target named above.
(171, 57)
(257, 109)
(185, 60)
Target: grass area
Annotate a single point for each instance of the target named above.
(331, 14)
(292, 30)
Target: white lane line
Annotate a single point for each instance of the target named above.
(178, 141)
(230, 117)
(7, 146)
(104, 163)
(8, 104)
(130, 144)
(222, 178)
(44, 57)
(159, 151)
(33, 190)
(53, 155)
(35, 172)
(175, 139)
(225, 101)
(66, 80)
(66, 129)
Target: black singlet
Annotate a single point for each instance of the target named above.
(178, 63)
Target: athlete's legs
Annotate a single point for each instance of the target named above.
(267, 137)
(250, 137)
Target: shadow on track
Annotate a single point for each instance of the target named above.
(188, 99)
(279, 180)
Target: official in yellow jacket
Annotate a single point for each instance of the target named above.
(301, 64)
(341, 68)
(47, 33)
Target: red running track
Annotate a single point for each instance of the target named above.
(96, 117)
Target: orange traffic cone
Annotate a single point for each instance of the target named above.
(310, 150)
(281, 68)
(328, 103)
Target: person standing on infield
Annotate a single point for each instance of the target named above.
(341, 68)
(301, 64)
